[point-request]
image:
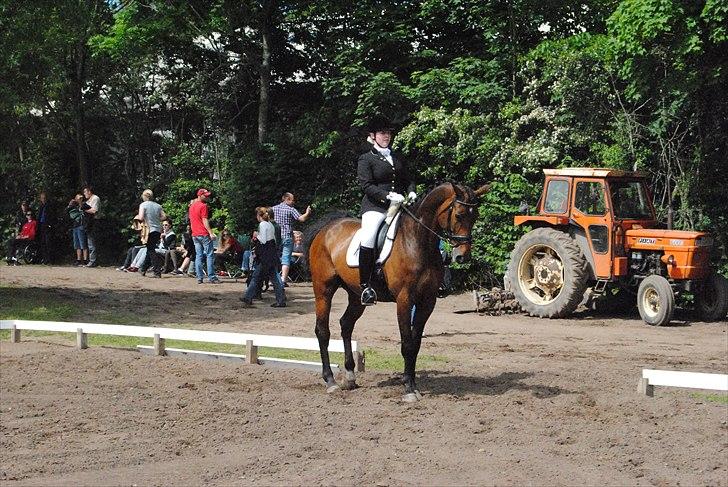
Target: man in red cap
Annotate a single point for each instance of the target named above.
(202, 236)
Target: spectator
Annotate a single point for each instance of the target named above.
(167, 246)
(143, 230)
(267, 262)
(78, 216)
(285, 215)
(297, 254)
(187, 249)
(92, 211)
(229, 250)
(27, 233)
(152, 214)
(20, 216)
(202, 236)
(45, 220)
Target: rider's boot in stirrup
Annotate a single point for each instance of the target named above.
(366, 267)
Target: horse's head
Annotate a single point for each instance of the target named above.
(456, 217)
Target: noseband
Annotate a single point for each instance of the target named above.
(448, 234)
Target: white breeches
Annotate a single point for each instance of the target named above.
(370, 221)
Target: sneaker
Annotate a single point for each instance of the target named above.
(91, 264)
(278, 305)
(78, 263)
(215, 281)
(131, 269)
(247, 303)
(199, 281)
(121, 269)
(177, 272)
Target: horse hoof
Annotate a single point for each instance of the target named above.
(351, 385)
(332, 389)
(411, 397)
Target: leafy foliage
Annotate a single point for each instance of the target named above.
(167, 95)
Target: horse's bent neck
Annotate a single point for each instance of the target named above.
(427, 213)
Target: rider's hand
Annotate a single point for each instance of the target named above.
(412, 196)
(395, 197)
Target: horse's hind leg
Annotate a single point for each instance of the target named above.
(323, 295)
(348, 320)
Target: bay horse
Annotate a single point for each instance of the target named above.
(412, 273)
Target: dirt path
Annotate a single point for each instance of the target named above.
(515, 400)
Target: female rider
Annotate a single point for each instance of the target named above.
(384, 180)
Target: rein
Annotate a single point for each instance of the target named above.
(447, 235)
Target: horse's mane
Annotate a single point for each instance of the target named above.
(317, 225)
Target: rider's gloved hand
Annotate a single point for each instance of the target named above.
(412, 196)
(395, 197)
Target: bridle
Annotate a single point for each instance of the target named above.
(448, 234)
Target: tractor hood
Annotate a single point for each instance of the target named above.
(687, 254)
(668, 238)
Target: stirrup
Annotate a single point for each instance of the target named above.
(368, 296)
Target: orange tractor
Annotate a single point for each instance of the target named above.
(596, 228)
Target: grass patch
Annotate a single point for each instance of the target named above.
(719, 398)
(14, 305)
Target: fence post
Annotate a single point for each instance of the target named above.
(81, 339)
(251, 353)
(359, 361)
(644, 387)
(14, 334)
(159, 345)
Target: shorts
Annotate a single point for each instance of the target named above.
(79, 238)
(286, 251)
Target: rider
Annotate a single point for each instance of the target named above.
(384, 179)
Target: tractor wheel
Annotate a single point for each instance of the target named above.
(712, 300)
(548, 273)
(656, 300)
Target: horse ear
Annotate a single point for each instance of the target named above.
(482, 190)
(458, 192)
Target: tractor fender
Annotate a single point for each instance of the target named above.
(578, 234)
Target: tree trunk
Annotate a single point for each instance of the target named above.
(78, 78)
(264, 102)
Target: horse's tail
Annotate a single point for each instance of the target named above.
(314, 228)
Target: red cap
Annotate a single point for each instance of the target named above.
(203, 192)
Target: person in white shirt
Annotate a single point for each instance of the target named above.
(94, 202)
(267, 256)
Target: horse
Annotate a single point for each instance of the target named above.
(411, 274)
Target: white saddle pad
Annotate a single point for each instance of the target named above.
(352, 253)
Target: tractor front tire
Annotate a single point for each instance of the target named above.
(656, 300)
(548, 273)
(711, 302)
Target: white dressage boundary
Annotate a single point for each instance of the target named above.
(248, 340)
(674, 378)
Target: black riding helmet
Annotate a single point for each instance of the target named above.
(379, 123)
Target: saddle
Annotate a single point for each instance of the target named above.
(384, 242)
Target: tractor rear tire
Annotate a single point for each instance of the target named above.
(711, 302)
(548, 273)
(656, 300)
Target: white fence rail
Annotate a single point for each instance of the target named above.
(251, 341)
(675, 378)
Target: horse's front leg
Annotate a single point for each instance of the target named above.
(323, 309)
(353, 312)
(411, 326)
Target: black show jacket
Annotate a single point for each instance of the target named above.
(378, 178)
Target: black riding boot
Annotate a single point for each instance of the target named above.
(366, 268)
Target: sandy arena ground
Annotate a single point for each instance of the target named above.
(519, 400)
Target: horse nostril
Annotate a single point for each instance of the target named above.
(459, 259)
